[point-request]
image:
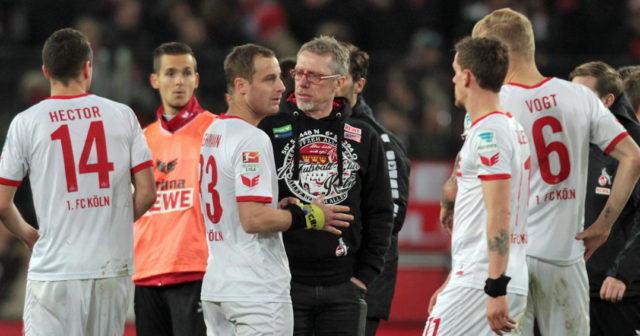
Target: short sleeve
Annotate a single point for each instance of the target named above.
(14, 163)
(253, 174)
(140, 152)
(493, 152)
(605, 131)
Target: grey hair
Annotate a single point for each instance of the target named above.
(328, 45)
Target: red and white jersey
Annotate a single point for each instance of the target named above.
(495, 148)
(79, 152)
(560, 119)
(237, 165)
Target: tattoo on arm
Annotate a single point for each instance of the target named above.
(500, 243)
(607, 212)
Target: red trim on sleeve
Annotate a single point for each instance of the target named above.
(142, 166)
(69, 97)
(486, 115)
(615, 141)
(225, 116)
(261, 199)
(10, 182)
(531, 86)
(494, 177)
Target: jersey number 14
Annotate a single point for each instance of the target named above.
(102, 166)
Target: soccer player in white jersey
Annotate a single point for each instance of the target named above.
(560, 119)
(246, 287)
(82, 153)
(489, 237)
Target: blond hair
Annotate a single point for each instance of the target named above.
(511, 28)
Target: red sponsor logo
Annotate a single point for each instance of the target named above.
(490, 161)
(250, 157)
(352, 129)
(250, 182)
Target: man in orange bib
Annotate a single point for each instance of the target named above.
(170, 249)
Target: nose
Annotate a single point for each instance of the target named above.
(281, 86)
(180, 79)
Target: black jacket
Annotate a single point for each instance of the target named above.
(380, 292)
(619, 256)
(308, 164)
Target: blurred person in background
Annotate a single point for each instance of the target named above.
(614, 278)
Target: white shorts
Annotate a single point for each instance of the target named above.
(558, 298)
(77, 307)
(462, 311)
(248, 318)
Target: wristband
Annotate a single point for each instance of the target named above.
(496, 287)
(306, 216)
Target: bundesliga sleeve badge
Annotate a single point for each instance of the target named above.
(487, 147)
(250, 168)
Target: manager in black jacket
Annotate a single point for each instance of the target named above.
(614, 274)
(320, 149)
(380, 293)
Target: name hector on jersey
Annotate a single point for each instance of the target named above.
(75, 114)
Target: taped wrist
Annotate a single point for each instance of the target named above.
(307, 216)
(496, 287)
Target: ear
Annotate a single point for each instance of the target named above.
(46, 73)
(153, 80)
(608, 99)
(240, 84)
(86, 70)
(197, 81)
(467, 77)
(359, 85)
(339, 83)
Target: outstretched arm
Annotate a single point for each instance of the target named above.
(260, 217)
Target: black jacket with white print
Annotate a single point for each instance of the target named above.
(619, 255)
(308, 164)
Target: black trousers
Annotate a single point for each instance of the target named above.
(328, 310)
(607, 318)
(173, 310)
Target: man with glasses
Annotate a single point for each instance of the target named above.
(320, 150)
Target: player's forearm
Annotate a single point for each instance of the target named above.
(623, 185)
(498, 243)
(144, 194)
(16, 224)
(258, 217)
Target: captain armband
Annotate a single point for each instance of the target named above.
(308, 216)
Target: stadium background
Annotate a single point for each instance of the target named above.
(409, 86)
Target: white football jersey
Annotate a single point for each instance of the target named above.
(560, 119)
(237, 165)
(79, 153)
(495, 148)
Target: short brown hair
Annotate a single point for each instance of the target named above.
(607, 79)
(511, 28)
(239, 62)
(487, 59)
(64, 54)
(172, 48)
(627, 70)
(631, 86)
(358, 61)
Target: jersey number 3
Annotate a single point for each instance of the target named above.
(211, 169)
(102, 166)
